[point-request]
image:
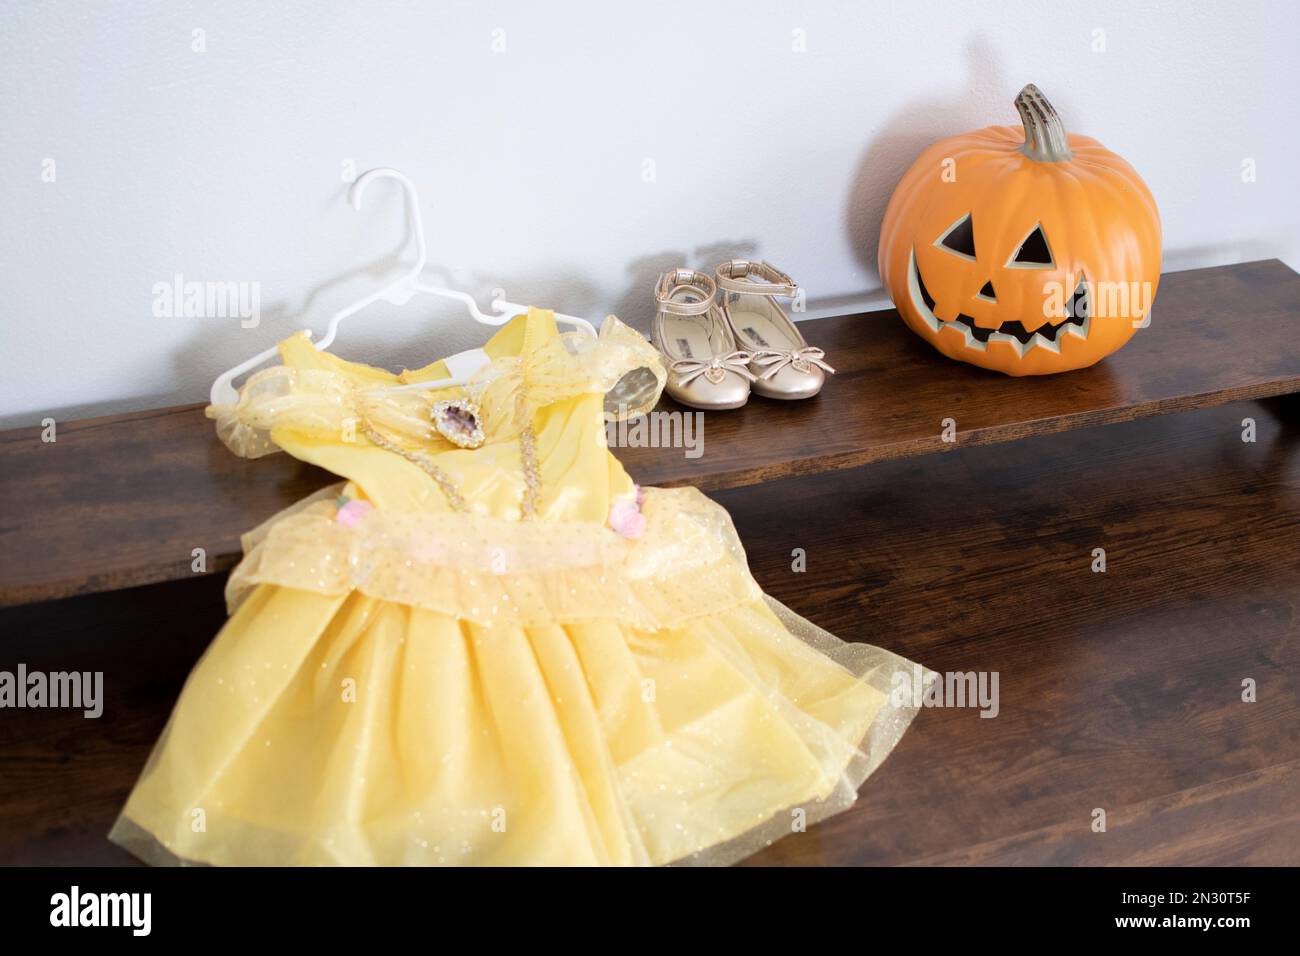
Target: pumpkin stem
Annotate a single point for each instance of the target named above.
(1045, 139)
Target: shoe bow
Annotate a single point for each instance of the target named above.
(773, 360)
(713, 369)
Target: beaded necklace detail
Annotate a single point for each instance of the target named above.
(451, 491)
(532, 476)
(440, 477)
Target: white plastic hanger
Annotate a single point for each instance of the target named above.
(399, 292)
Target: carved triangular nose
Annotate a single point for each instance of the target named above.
(987, 292)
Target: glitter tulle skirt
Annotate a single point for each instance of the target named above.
(589, 702)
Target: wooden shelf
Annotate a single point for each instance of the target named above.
(1119, 689)
(123, 500)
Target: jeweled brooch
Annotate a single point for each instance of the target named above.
(458, 421)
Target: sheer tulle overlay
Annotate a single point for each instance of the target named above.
(419, 685)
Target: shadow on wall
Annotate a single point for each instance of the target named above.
(908, 132)
(277, 319)
(385, 335)
(636, 306)
(410, 336)
(984, 101)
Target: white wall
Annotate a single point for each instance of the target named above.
(228, 164)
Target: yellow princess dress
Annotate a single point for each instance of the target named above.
(502, 654)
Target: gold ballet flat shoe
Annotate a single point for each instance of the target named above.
(705, 368)
(783, 364)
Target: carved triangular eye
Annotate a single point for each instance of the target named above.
(959, 238)
(1078, 307)
(1033, 253)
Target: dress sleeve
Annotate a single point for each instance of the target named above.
(618, 363)
(314, 402)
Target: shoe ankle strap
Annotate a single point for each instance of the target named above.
(732, 273)
(673, 280)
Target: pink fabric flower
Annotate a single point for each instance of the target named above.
(626, 518)
(351, 512)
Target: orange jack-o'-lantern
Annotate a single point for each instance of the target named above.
(1026, 252)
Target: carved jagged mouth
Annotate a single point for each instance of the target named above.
(1078, 313)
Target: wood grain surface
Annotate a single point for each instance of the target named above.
(1119, 690)
(124, 501)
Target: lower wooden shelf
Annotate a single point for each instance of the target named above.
(123, 501)
(1120, 690)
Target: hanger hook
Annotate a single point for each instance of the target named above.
(356, 190)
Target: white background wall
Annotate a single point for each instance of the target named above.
(229, 164)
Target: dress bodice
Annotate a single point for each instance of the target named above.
(543, 399)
